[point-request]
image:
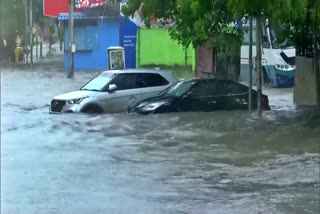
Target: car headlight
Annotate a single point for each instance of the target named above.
(285, 67)
(141, 104)
(75, 101)
(153, 106)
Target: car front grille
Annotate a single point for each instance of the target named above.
(57, 105)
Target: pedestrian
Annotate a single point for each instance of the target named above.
(10, 48)
(18, 50)
(2, 49)
(60, 35)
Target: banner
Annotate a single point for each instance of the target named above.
(91, 3)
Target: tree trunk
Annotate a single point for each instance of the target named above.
(26, 41)
(41, 39)
(31, 32)
(250, 64)
(316, 62)
(259, 63)
(71, 40)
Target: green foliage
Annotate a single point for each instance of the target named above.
(13, 15)
(202, 21)
(297, 25)
(196, 21)
(295, 18)
(280, 9)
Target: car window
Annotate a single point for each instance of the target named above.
(207, 89)
(178, 89)
(99, 82)
(234, 88)
(125, 81)
(144, 80)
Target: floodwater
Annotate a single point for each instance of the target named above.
(197, 163)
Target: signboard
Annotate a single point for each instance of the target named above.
(128, 39)
(54, 7)
(116, 58)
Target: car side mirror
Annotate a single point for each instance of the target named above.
(112, 87)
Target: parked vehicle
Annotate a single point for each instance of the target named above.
(112, 91)
(278, 60)
(200, 95)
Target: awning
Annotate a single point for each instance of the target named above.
(77, 16)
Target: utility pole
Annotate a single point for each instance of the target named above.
(139, 47)
(250, 64)
(31, 34)
(71, 38)
(41, 38)
(26, 29)
(259, 66)
(185, 57)
(37, 41)
(316, 62)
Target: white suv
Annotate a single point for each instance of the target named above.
(113, 91)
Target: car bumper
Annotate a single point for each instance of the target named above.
(139, 111)
(67, 108)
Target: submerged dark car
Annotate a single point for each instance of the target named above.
(200, 95)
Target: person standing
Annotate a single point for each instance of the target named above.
(18, 50)
(2, 49)
(61, 35)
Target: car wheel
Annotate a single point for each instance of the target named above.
(92, 109)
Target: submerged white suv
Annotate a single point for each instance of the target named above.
(113, 91)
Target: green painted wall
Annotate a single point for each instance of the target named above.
(155, 47)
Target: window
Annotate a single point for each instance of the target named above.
(99, 82)
(208, 89)
(234, 88)
(178, 89)
(150, 80)
(125, 81)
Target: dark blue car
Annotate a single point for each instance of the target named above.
(200, 95)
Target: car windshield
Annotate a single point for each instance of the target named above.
(178, 89)
(99, 82)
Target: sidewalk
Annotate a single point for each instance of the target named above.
(54, 62)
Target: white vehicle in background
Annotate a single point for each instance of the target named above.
(113, 91)
(278, 60)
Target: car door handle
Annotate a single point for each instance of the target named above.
(212, 102)
(132, 97)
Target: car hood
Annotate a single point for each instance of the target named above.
(74, 95)
(148, 101)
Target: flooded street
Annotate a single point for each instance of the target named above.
(192, 163)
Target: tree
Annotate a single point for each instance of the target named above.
(201, 21)
(301, 26)
(13, 15)
(196, 21)
(274, 10)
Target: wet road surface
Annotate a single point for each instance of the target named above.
(197, 163)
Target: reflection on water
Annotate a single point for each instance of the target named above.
(219, 162)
